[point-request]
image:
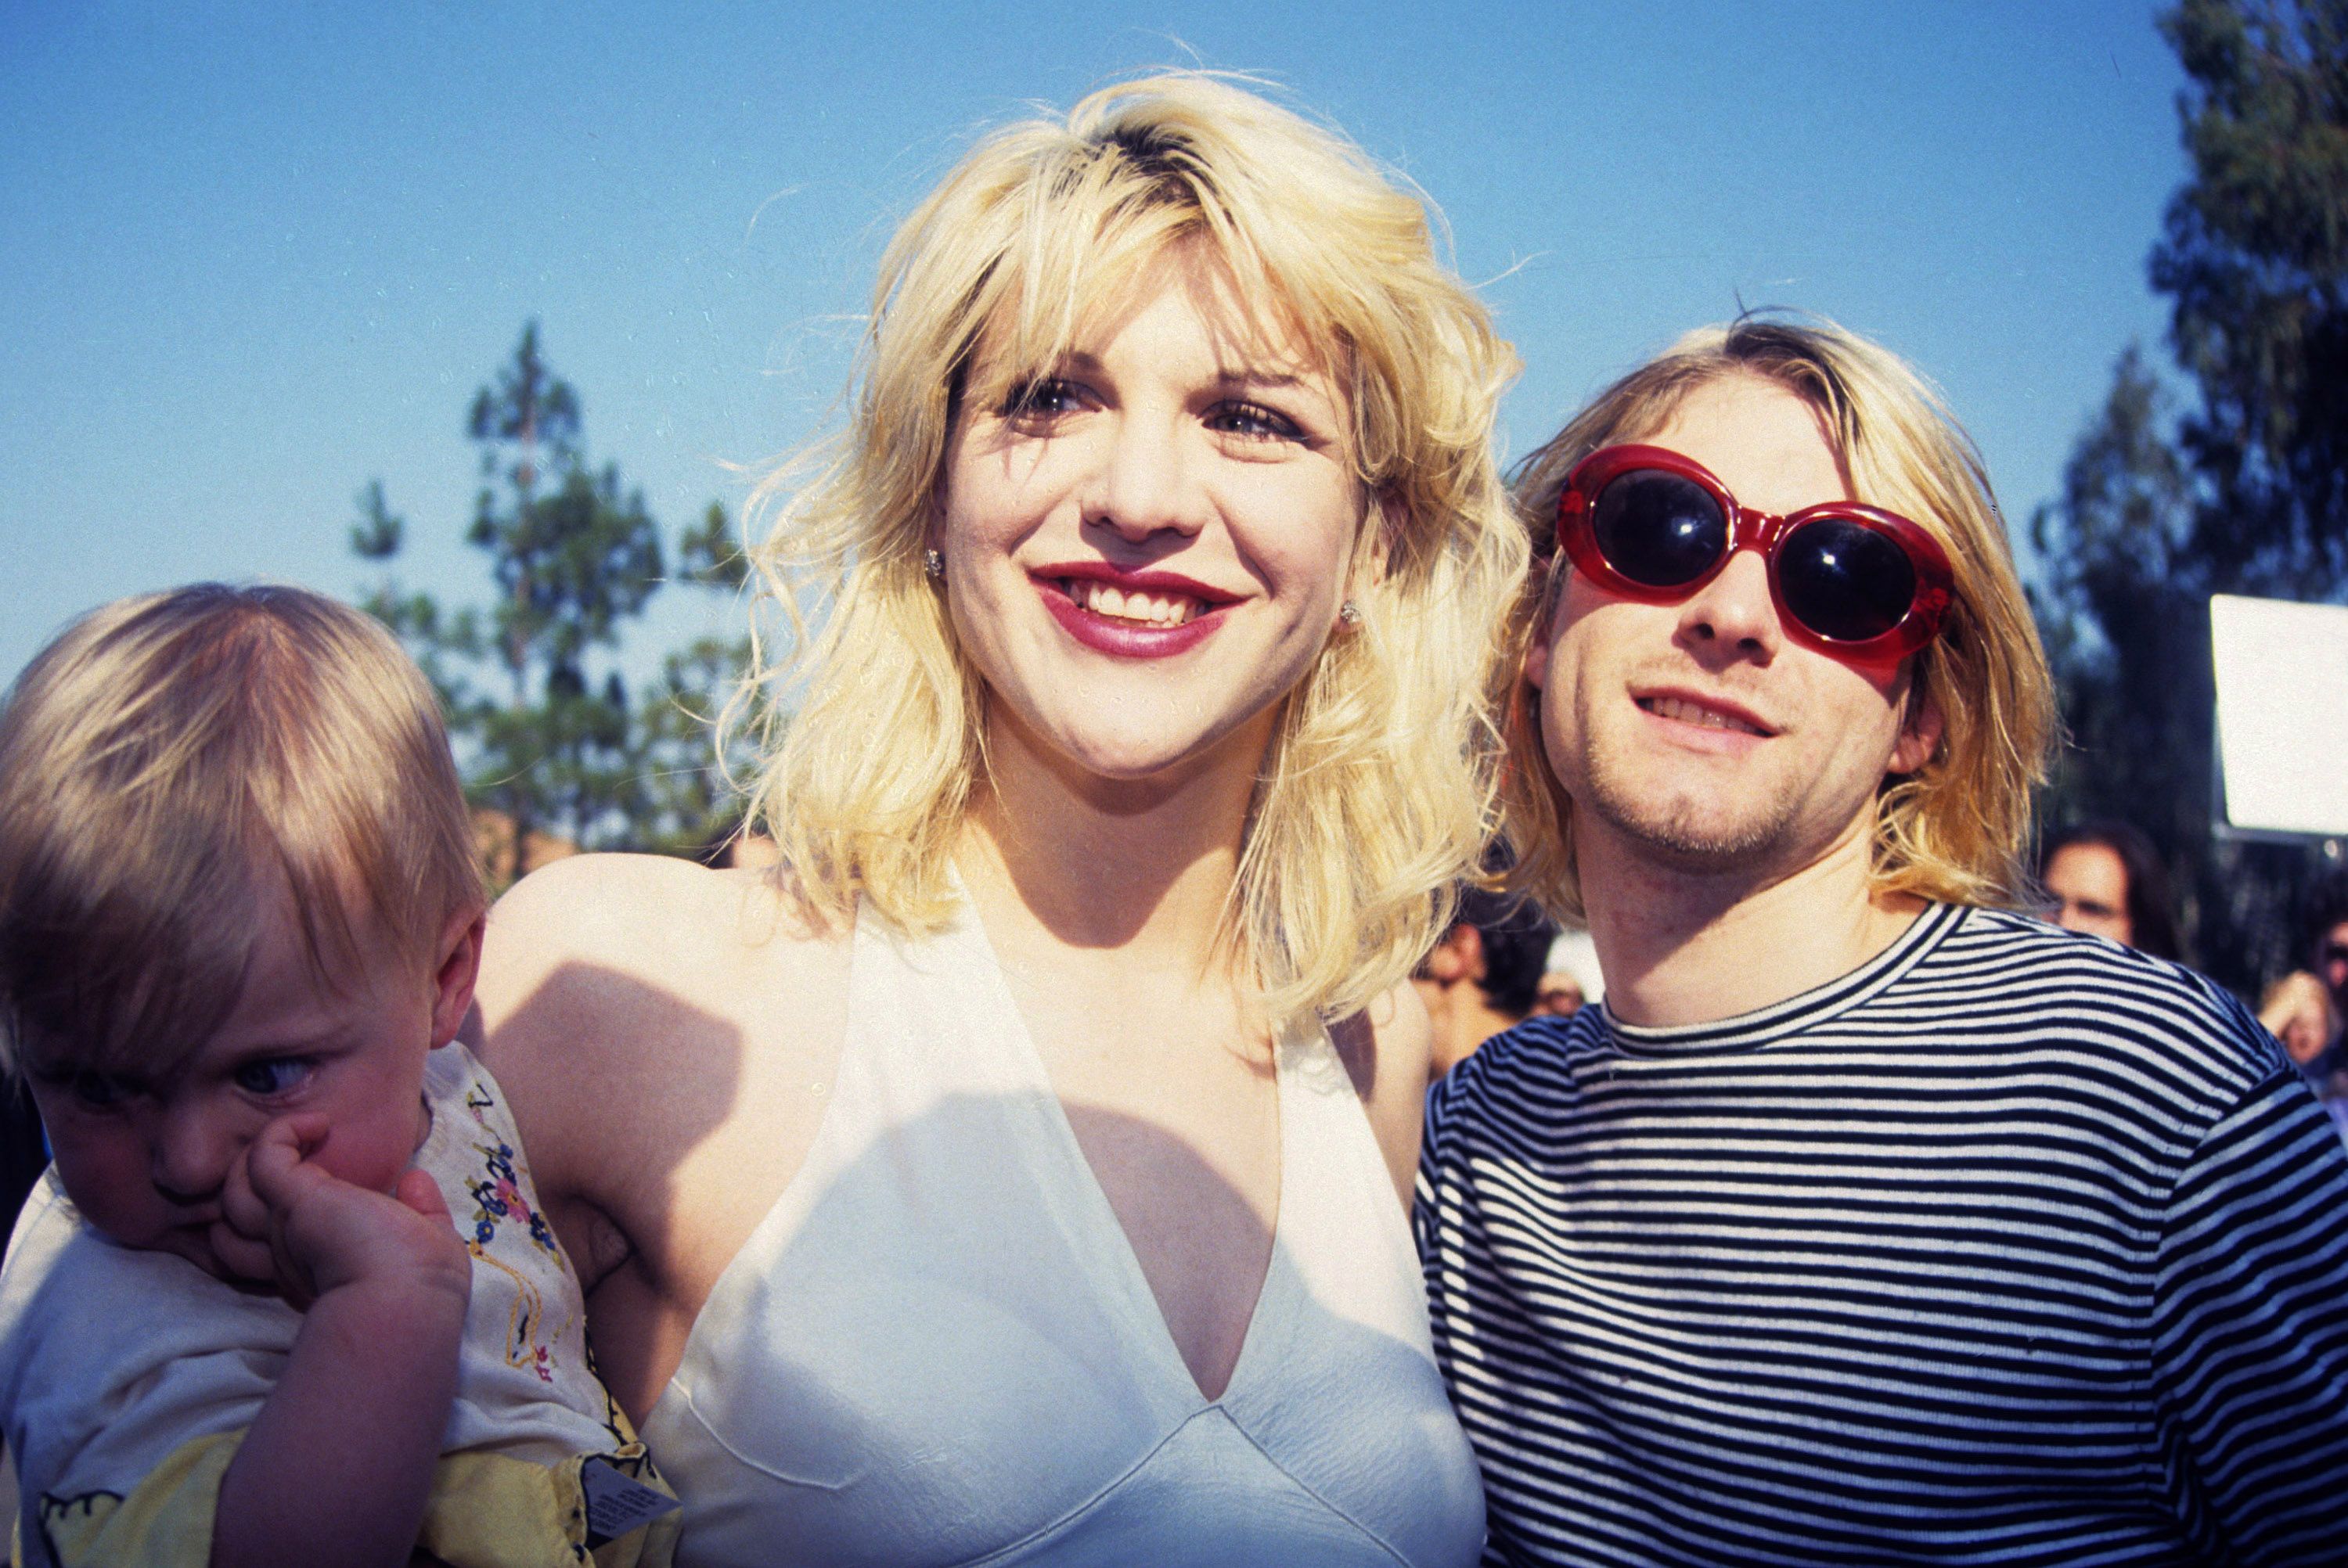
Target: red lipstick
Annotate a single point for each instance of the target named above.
(1130, 639)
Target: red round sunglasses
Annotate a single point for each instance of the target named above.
(1852, 580)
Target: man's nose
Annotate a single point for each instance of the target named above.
(1148, 480)
(1735, 611)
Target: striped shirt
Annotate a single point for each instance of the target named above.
(2009, 1246)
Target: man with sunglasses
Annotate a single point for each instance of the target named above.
(1867, 1221)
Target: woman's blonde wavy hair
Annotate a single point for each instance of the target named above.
(1954, 829)
(1378, 790)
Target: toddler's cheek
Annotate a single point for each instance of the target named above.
(109, 1200)
(368, 1153)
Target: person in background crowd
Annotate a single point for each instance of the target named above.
(23, 1155)
(23, 1152)
(1559, 994)
(1484, 976)
(1870, 1221)
(2307, 1009)
(1570, 977)
(2106, 879)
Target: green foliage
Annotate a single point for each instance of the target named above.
(2118, 587)
(2244, 491)
(2124, 596)
(2255, 256)
(546, 728)
(416, 619)
(692, 804)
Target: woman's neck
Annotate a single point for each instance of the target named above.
(1142, 866)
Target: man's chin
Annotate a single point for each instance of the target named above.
(1684, 833)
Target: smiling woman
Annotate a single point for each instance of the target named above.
(1017, 1173)
(1308, 269)
(1184, 435)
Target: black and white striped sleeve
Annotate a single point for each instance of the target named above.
(2251, 1333)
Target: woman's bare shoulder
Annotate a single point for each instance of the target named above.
(633, 981)
(626, 907)
(593, 922)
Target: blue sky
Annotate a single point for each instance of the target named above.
(256, 256)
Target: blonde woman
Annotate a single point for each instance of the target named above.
(1018, 1174)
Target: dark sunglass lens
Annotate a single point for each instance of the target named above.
(1844, 580)
(1658, 529)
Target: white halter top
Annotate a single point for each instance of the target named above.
(939, 1347)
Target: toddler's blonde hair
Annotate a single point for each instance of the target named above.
(173, 763)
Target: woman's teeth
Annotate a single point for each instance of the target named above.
(1690, 714)
(1142, 608)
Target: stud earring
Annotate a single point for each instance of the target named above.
(1350, 613)
(934, 563)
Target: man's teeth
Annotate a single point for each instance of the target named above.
(1688, 712)
(1142, 608)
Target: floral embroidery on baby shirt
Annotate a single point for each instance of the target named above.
(500, 1196)
(501, 1200)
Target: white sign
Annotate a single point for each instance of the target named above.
(2283, 713)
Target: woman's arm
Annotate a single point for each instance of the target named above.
(663, 1033)
(1387, 1049)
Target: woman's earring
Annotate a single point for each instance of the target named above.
(934, 563)
(1350, 613)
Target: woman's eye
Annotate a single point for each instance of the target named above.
(1039, 401)
(1253, 421)
(275, 1075)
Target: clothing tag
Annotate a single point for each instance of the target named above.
(616, 1504)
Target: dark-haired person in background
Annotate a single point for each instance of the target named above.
(2108, 879)
(2307, 1009)
(24, 1153)
(1484, 976)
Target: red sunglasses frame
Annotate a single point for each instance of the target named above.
(1763, 531)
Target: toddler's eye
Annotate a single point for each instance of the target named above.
(271, 1075)
(98, 1091)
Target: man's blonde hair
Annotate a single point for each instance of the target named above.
(1954, 829)
(170, 764)
(1378, 788)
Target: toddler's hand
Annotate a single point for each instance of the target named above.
(286, 1221)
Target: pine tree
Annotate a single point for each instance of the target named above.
(2243, 490)
(2254, 256)
(551, 738)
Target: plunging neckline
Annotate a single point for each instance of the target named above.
(936, 1347)
(1141, 1298)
